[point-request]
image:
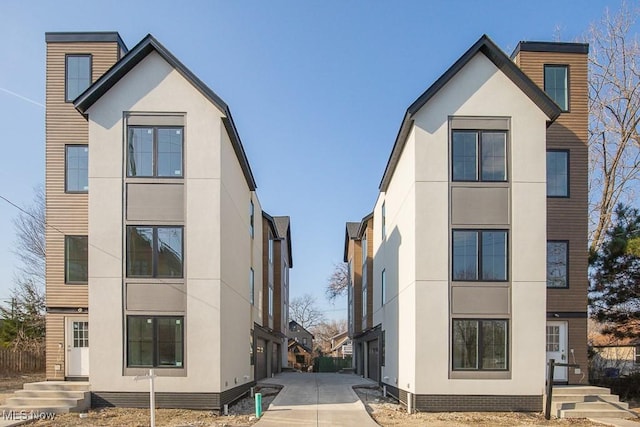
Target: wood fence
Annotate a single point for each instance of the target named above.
(12, 361)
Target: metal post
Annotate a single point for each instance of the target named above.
(409, 402)
(152, 396)
(547, 406)
(258, 405)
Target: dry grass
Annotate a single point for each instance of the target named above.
(387, 412)
(11, 383)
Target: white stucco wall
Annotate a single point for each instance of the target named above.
(480, 89)
(153, 86)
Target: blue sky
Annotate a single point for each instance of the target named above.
(317, 90)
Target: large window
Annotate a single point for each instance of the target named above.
(155, 342)
(479, 156)
(154, 151)
(480, 255)
(78, 75)
(76, 259)
(557, 262)
(480, 345)
(557, 173)
(154, 251)
(556, 84)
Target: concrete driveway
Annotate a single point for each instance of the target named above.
(316, 399)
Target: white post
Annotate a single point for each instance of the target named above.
(409, 402)
(152, 394)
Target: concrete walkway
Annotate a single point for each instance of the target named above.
(316, 399)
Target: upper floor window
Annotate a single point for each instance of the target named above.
(77, 169)
(557, 262)
(479, 156)
(154, 251)
(270, 302)
(252, 286)
(78, 75)
(154, 151)
(251, 217)
(384, 221)
(76, 259)
(270, 248)
(383, 285)
(364, 293)
(556, 84)
(480, 255)
(557, 173)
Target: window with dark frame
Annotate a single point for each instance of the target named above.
(77, 75)
(383, 286)
(154, 251)
(480, 345)
(479, 156)
(556, 84)
(252, 286)
(76, 251)
(154, 151)
(557, 173)
(384, 221)
(155, 341)
(557, 264)
(480, 255)
(76, 168)
(251, 217)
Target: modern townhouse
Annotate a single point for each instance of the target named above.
(155, 237)
(479, 235)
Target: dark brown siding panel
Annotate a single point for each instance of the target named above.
(489, 403)
(233, 394)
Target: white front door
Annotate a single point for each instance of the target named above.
(77, 337)
(557, 348)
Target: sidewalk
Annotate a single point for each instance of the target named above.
(316, 399)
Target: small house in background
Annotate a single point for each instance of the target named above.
(341, 345)
(612, 357)
(300, 356)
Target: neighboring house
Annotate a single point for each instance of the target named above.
(300, 356)
(270, 336)
(300, 334)
(479, 238)
(154, 237)
(615, 359)
(341, 345)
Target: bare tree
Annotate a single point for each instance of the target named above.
(338, 282)
(23, 325)
(304, 310)
(325, 331)
(614, 106)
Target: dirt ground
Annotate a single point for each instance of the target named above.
(387, 412)
(11, 383)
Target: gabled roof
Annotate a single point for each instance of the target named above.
(487, 47)
(301, 327)
(350, 233)
(283, 225)
(363, 224)
(293, 343)
(134, 57)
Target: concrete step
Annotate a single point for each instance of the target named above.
(577, 390)
(585, 398)
(595, 413)
(58, 385)
(591, 405)
(50, 394)
(42, 401)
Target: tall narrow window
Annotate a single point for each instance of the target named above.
(154, 251)
(77, 168)
(383, 286)
(384, 221)
(479, 345)
(251, 217)
(480, 255)
(557, 173)
(78, 75)
(479, 156)
(556, 84)
(252, 287)
(76, 259)
(155, 341)
(557, 262)
(154, 152)
(270, 301)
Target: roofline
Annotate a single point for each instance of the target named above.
(288, 237)
(272, 225)
(362, 227)
(502, 62)
(85, 37)
(347, 237)
(551, 47)
(133, 58)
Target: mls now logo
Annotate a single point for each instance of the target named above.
(27, 415)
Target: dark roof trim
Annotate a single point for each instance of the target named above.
(486, 46)
(133, 58)
(283, 225)
(85, 37)
(363, 224)
(272, 224)
(551, 47)
(350, 233)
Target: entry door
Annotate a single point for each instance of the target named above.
(373, 359)
(557, 348)
(77, 337)
(261, 359)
